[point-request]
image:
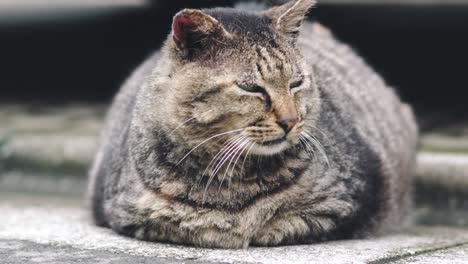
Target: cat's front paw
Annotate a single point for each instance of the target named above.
(283, 231)
(214, 238)
(270, 237)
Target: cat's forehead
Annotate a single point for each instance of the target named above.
(256, 42)
(243, 23)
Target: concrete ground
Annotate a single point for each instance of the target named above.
(55, 229)
(44, 154)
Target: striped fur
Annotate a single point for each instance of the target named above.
(193, 151)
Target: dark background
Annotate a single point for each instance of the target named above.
(420, 49)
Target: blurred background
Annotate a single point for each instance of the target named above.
(61, 51)
(61, 61)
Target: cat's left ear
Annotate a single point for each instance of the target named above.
(193, 31)
(287, 19)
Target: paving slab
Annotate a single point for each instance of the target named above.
(62, 229)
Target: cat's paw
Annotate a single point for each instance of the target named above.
(214, 238)
(270, 237)
(281, 231)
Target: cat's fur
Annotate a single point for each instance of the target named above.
(343, 170)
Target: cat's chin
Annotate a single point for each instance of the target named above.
(270, 149)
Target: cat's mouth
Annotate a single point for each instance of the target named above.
(271, 147)
(270, 140)
(273, 142)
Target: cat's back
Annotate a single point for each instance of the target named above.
(355, 94)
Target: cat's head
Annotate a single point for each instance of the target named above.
(237, 74)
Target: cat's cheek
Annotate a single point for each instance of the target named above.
(252, 109)
(300, 103)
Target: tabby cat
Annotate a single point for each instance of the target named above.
(253, 128)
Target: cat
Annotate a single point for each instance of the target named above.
(253, 129)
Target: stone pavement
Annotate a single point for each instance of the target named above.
(58, 230)
(44, 154)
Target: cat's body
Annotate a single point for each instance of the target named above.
(150, 177)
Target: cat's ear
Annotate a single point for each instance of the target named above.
(193, 30)
(287, 19)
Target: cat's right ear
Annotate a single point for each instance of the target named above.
(193, 31)
(287, 19)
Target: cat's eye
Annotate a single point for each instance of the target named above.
(252, 88)
(297, 83)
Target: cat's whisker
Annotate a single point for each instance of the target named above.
(235, 162)
(310, 143)
(245, 146)
(318, 130)
(206, 140)
(226, 144)
(245, 157)
(310, 147)
(226, 156)
(220, 163)
(188, 120)
(307, 133)
(302, 144)
(307, 147)
(232, 157)
(318, 146)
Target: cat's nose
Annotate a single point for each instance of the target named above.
(288, 124)
(286, 115)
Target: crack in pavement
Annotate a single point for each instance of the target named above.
(417, 253)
